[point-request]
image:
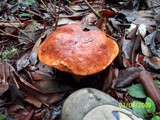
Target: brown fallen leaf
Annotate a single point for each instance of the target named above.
(153, 62)
(89, 19)
(22, 62)
(28, 88)
(153, 4)
(145, 49)
(127, 76)
(78, 7)
(101, 24)
(126, 62)
(136, 47)
(106, 13)
(32, 100)
(4, 75)
(30, 115)
(17, 112)
(47, 99)
(131, 45)
(110, 74)
(31, 56)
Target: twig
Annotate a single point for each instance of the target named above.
(18, 21)
(69, 10)
(8, 34)
(18, 29)
(154, 2)
(92, 9)
(3, 41)
(10, 25)
(48, 8)
(57, 16)
(153, 7)
(54, 6)
(34, 13)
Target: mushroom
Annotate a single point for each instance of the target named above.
(81, 52)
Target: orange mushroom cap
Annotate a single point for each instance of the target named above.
(71, 49)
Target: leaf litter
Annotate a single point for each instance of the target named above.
(31, 90)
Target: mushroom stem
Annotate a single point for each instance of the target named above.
(78, 78)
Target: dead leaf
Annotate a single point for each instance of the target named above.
(153, 62)
(16, 95)
(50, 85)
(106, 13)
(17, 112)
(126, 62)
(32, 100)
(32, 31)
(115, 24)
(148, 38)
(155, 43)
(146, 21)
(157, 19)
(145, 49)
(101, 24)
(126, 48)
(89, 27)
(108, 79)
(52, 98)
(76, 16)
(4, 75)
(23, 62)
(33, 54)
(136, 47)
(153, 4)
(64, 21)
(89, 19)
(78, 7)
(131, 45)
(127, 76)
(47, 99)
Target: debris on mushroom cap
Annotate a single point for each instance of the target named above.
(71, 49)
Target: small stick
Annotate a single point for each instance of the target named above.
(34, 13)
(57, 16)
(48, 8)
(8, 34)
(11, 24)
(92, 9)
